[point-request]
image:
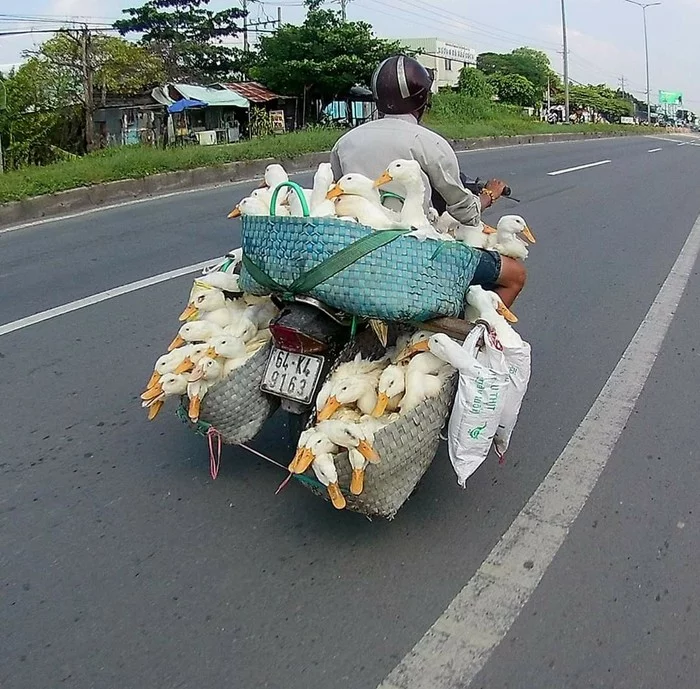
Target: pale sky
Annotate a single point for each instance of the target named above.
(605, 36)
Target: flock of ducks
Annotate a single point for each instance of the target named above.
(357, 198)
(363, 396)
(222, 328)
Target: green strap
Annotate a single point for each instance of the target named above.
(297, 190)
(344, 258)
(261, 277)
(328, 268)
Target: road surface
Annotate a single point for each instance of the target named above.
(123, 565)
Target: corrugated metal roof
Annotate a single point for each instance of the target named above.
(212, 96)
(252, 90)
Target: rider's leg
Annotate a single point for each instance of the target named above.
(511, 280)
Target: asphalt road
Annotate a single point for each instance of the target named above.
(123, 565)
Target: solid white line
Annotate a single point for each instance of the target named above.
(663, 138)
(655, 150)
(458, 645)
(101, 296)
(578, 167)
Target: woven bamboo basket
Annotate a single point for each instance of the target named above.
(402, 280)
(406, 447)
(236, 407)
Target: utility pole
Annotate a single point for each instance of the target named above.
(644, 6)
(279, 17)
(88, 96)
(245, 25)
(3, 106)
(622, 84)
(567, 109)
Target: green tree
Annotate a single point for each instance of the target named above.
(85, 62)
(494, 63)
(514, 89)
(119, 66)
(473, 82)
(41, 121)
(187, 36)
(320, 59)
(532, 64)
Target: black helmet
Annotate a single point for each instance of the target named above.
(401, 85)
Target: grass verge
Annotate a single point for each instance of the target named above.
(453, 115)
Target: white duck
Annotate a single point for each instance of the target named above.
(506, 240)
(250, 205)
(195, 331)
(319, 205)
(169, 385)
(356, 184)
(167, 364)
(261, 313)
(265, 196)
(206, 374)
(365, 212)
(419, 387)
(487, 306)
(212, 306)
(324, 468)
(359, 390)
(195, 352)
(357, 439)
(242, 328)
(408, 173)
(391, 388)
(312, 443)
(217, 279)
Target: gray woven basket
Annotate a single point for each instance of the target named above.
(406, 447)
(236, 407)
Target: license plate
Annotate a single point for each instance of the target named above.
(293, 376)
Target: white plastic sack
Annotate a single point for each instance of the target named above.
(478, 407)
(518, 363)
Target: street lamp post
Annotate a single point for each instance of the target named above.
(644, 6)
(567, 109)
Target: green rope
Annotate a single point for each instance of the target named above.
(199, 427)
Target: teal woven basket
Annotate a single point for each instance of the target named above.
(395, 278)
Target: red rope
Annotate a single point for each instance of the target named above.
(215, 442)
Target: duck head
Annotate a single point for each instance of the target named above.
(206, 301)
(514, 225)
(485, 301)
(392, 383)
(405, 172)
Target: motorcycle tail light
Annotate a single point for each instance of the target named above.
(292, 340)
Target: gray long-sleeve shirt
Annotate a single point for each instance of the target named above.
(371, 147)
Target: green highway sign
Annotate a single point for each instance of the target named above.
(671, 97)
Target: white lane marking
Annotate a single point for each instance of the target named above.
(101, 296)
(578, 167)
(663, 138)
(655, 150)
(683, 143)
(454, 650)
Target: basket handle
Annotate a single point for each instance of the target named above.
(299, 192)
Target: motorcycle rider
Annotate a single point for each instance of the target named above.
(402, 87)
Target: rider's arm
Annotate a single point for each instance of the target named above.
(439, 162)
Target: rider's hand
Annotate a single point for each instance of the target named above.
(496, 188)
